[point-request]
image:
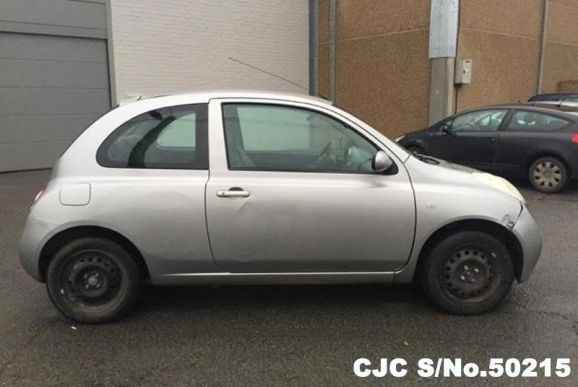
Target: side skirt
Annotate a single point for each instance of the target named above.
(328, 278)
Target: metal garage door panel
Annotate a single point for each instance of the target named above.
(38, 128)
(23, 101)
(40, 74)
(51, 89)
(51, 48)
(15, 157)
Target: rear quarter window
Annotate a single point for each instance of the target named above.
(531, 121)
(167, 138)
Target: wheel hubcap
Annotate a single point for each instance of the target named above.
(547, 174)
(91, 278)
(468, 273)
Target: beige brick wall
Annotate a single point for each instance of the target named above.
(561, 55)
(383, 70)
(172, 46)
(503, 40)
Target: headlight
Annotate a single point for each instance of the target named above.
(399, 138)
(500, 184)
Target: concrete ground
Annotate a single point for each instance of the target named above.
(282, 335)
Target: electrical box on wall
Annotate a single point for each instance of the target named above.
(463, 72)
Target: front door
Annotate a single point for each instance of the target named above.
(471, 138)
(291, 189)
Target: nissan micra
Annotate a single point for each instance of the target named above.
(265, 188)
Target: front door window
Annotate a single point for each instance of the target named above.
(283, 138)
(484, 120)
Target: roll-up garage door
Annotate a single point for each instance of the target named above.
(51, 89)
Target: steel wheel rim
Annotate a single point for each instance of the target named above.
(91, 279)
(547, 174)
(469, 274)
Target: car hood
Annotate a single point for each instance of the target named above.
(445, 164)
(410, 135)
(433, 170)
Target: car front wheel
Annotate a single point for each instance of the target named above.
(468, 272)
(93, 280)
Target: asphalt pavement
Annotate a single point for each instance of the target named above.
(302, 335)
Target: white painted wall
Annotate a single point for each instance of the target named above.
(167, 46)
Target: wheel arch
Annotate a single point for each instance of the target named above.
(57, 241)
(489, 227)
(545, 153)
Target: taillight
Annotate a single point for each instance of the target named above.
(575, 138)
(38, 196)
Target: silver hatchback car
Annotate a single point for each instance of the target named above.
(265, 188)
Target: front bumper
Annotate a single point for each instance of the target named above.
(528, 234)
(34, 236)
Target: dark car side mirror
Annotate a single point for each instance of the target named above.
(446, 130)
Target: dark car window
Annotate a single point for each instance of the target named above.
(482, 120)
(554, 98)
(524, 120)
(284, 138)
(545, 97)
(168, 138)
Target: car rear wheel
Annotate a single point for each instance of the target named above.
(468, 272)
(93, 280)
(548, 174)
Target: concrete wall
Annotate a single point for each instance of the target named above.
(383, 71)
(183, 45)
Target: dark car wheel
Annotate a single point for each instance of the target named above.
(548, 174)
(93, 280)
(469, 272)
(415, 150)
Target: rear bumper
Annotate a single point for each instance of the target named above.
(528, 233)
(34, 236)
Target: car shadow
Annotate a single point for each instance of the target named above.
(280, 296)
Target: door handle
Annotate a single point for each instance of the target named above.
(491, 139)
(234, 192)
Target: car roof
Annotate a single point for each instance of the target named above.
(203, 96)
(546, 109)
(539, 97)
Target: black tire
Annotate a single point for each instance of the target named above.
(416, 150)
(93, 280)
(468, 272)
(548, 174)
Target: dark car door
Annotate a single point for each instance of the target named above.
(469, 138)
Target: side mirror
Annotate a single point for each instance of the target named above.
(445, 130)
(381, 162)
